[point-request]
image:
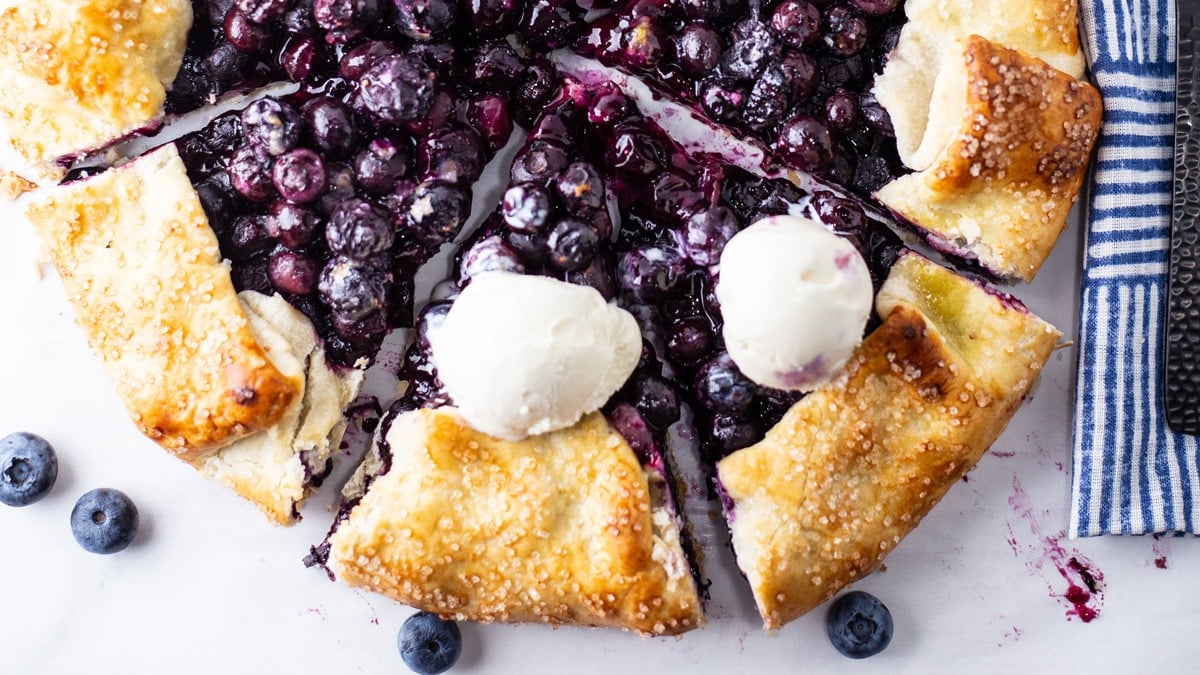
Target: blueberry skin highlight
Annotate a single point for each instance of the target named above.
(104, 521)
(429, 644)
(859, 625)
(28, 468)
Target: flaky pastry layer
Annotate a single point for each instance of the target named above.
(854, 466)
(558, 528)
(80, 74)
(143, 271)
(1011, 138)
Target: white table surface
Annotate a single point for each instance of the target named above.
(210, 587)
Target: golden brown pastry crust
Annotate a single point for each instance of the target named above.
(143, 271)
(1001, 187)
(854, 466)
(557, 528)
(79, 74)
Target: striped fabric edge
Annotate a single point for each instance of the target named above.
(1131, 475)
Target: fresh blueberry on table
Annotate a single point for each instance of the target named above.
(104, 521)
(28, 468)
(859, 625)
(429, 644)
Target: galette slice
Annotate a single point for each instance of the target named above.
(237, 386)
(80, 75)
(854, 466)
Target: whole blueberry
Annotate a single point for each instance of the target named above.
(656, 400)
(705, 234)
(722, 98)
(721, 387)
(329, 126)
(846, 31)
(494, 66)
(805, 143)
(245, 34)
(299, 175)
(436, 211)
(381, 164)
(250, 237)
(292, 272)
(753, 47)
(490, 254)
(580, 188)
(526, 207)
(538, 162)
(490, 116)
(292, 225)
(358, 229)
(28, 468)
(104, 521)
(796, 22)
(262, 11)
(730, 432)
(352, 289)
(651, 273)
(425, 19)
(346, 16)
(272, 124)
(858, 625)
(429, 644)
(250, 171)
(698, 49)
(397, 88)
(875, 7)
(691, 339)
(456, 156)
(572, 245)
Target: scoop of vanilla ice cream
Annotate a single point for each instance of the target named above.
(523, 355)
(795, 298)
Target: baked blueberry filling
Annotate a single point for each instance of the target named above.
(795, 75)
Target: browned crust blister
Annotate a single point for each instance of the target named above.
(558, 528)
(142, 270)
(854, 467)
(80, 75)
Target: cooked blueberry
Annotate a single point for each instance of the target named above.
(656, 400)
(526, 207)
(537, 86)
(608, 108)
(358, 229)
(633, 150)
(805, 143)
(488, 114)
(843, 72)
(223, 135)
(871, 173)
(298, 57)
(650, 273)
(292, 225)
(841, 110)
(436, 211)
(250, 173)
(262, 11)
(753, 47)
(698, 49)
(365, 331)
(28, 468)
(796, 22)
(875, 7)
(298, 19)
(329, 126)
(845, 31)
(495, 66)
(490, 254)
(339, 186)
(858, 625)
(271, 124)
(802, 75)
(443, 108)
(429, 644)
(875, 115)
(705, 234)
(690, 339)
(768, 99)
(293, 273)
(731, 433)
(252, 275)
(397, 88)
(580, 188)
(380, 165)
(597, 275)
(245, 35)
(425, 19)
(549, 24)
(299, 175)
(249, 237)
(104, 521)
(673, 198)
(628, 422)
(721, 387)
(710, 10)
(722, 99)
(217, 9)
(492, 18)
(538, 163)
(352, 289)
(572, 245)
(643, 43)
(360, 58)
(342, 16)
(216, 202)
(840, 215)
(223, 67)
(455, 156)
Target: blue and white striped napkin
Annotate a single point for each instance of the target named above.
(1132, 474)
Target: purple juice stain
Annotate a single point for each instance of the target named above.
(1085, 582)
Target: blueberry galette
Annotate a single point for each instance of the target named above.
(238, 280)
